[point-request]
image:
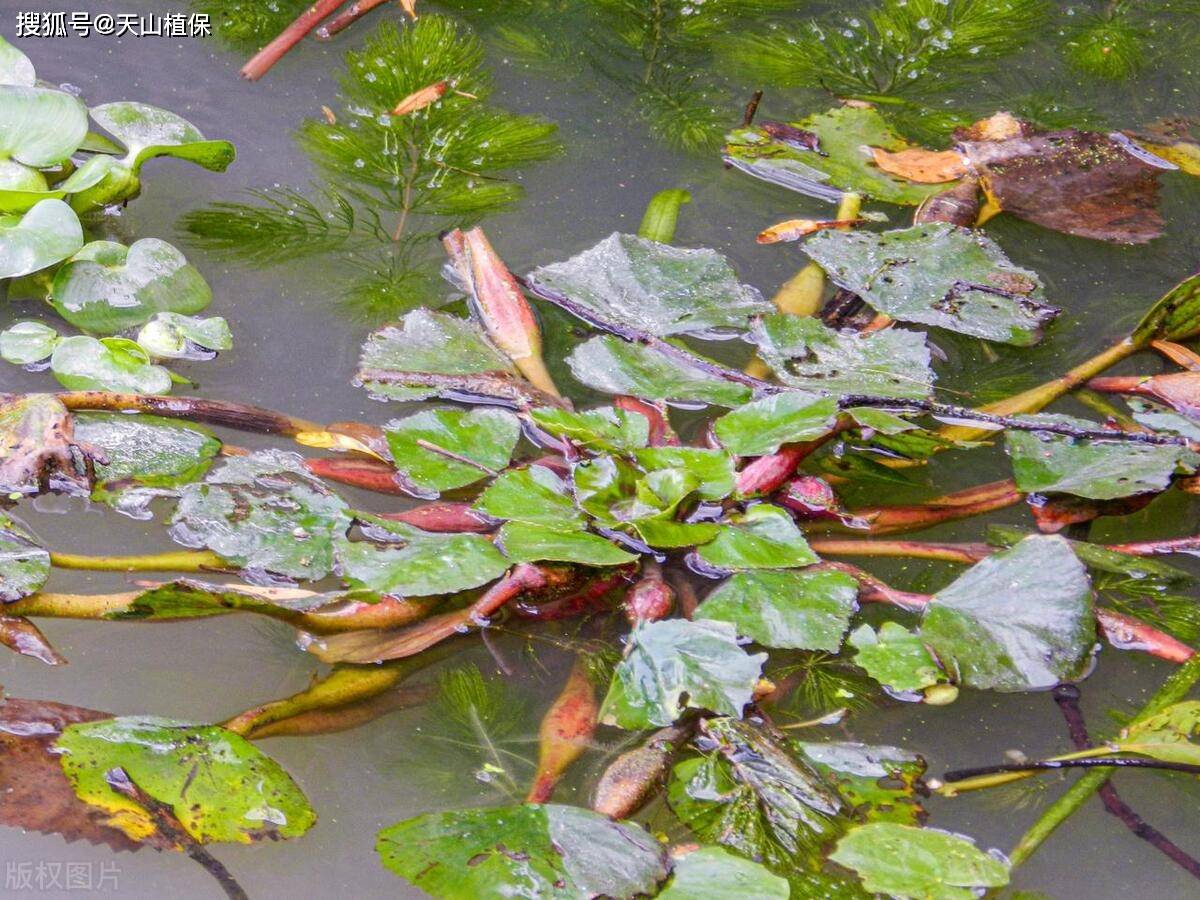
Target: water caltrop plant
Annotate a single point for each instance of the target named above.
(658, 506)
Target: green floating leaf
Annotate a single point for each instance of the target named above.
(39, 126)
(170, 335)
(535, 495)
(763, 426)
(107, 287)
(28, 342)
(15, 67)
(881, 783)
(937, 274)
(662, 214)
(806, 354)
(755, 797)
(655, 288)
(600, 428)
(47, 234)
(83, 363)
(441, 449)
(1146, 570)
(143, 452)
(918, 863)
(1100, 470)
(1167, 735)
(420, 563)
(712, 469)
(842, 164)
(895, 657)
(764, 537)
(712, 873)
(523, 851)
(24, 564)
(804, 610)
(265, 513)
(673, 663)
(1019, 620)
(609, 364)
(219, 786)
(431, 354)
(147, 131)
(18, 195)
(526, 542)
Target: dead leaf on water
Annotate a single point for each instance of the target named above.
(794, 229)
(921, 165)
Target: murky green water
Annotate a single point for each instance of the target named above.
(296, 351)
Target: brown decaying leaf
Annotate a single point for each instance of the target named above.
(420, 99)
(1177, 140)
(958, 205)
(791, 135)
(1001, 126)
(36, 793)
(19, 634)
(633, 777)
(1077, 182)
(794, 229)
(38, 450)
(921, 165)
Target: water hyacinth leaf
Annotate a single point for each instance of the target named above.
(601, 428)
(27, 342)
(83, 363)
(712, 873)
(24, 565)
(764, 537)
(535, 495)
(712, 469)
(219, 786)
(613, 366)
(18, 178)
(263, 512)
(144, 452)
(895, 657)
(47, 234)
(420, 563)
(1096, 469)
(39, 126)
(20, 195)
(526, 542)
(880, 783)
(754, 797)
(170, 335)
(918, 863)
(843, 164)
(800, 609)
(1078, 182)
(1165, 736)
(440, 449)
(530, 850)
(147, 131)
(655, 288)
(937, 274)
(676, 664)
(430, 354)
(15, 67)
(763, 426)
(804, 353)
(1019, 620)
(107, 287)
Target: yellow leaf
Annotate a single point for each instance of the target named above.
(921, 165)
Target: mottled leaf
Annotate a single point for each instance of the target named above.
(38, 449)
(937, 274)
(676, 664)
(523, 851)
(801, 609)
(805, 354)
(881, 784)
(1019, 620)
(1166, 735)
(654, 288)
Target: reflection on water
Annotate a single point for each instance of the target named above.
(619, 105)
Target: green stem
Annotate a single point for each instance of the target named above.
(171, 561)
(1173, 690)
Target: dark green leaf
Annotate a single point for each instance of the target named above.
(895, 657)
(526, 542)
(937, 274)
(805, 610)
(523, 851)
(1019, 620)
(434, 448)
(420, 563)
(763, 426)
(712, 469)
(535, 495)
(764, 537)
(602, 428)
(676, 664)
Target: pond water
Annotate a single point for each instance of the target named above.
(296, 349)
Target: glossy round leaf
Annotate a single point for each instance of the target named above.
(27, 342)
(15, 67)
(107, 287)
(20, 195)
(173, 336)
(82, 363)
(148, 131)
(39, 126)
(48, 233)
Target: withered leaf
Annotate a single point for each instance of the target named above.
(794, 229)
(38, 450)
(921, 165)
(19, 634)
(420, 99)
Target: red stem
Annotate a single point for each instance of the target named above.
(264, 59)
(661, 433)
(346, 18)
(444, 517)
